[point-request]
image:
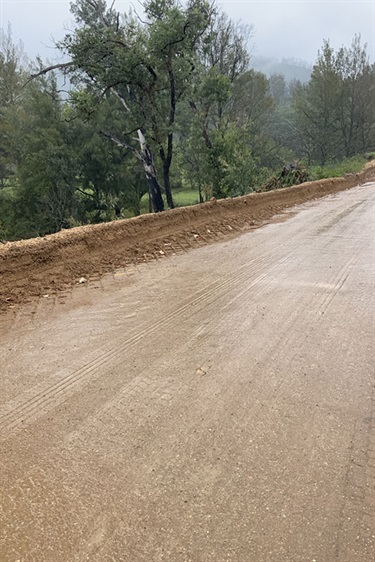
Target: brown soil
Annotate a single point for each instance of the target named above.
(30, 268)
(215, 406)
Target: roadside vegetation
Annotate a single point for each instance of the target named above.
(336, 169)
(166, 110)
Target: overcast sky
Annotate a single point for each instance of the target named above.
(282, 29)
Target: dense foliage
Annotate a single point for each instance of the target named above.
(165, 105)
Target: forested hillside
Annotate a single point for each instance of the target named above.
(290, 69)
(161, 110)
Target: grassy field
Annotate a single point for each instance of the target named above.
(181, 197)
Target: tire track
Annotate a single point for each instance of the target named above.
(127, 395)
(22, 412)
(161, 454)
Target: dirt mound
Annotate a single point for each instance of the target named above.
(30, 268)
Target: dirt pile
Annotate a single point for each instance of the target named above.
(30, 268)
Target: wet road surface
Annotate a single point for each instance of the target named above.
(213, 406)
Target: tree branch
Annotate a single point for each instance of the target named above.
(120, 98)
(60, 66)
(85, 192)
(121, 144)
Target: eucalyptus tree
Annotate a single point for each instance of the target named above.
(109, 179)
(251, 107)
(356, 97)
(335, 110)
(224, 58)
(44, 180)
(315, 104)
(146, 65)
(12, 76)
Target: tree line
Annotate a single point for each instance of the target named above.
(160, 102)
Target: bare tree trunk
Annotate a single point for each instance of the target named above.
(167, 161)
(201, 200)
(155, 194)
(167, 187)
(150, 172)
(145, 156)
(167, 158)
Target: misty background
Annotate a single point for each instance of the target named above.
(285, 38)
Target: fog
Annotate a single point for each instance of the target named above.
(281, 29)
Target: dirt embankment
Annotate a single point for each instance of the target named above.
(30, 268)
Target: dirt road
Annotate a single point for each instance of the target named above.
(32, 268)
(214, 406)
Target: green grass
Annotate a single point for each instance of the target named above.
(182, 198)
(337, 169)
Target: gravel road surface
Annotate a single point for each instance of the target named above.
(212, 406)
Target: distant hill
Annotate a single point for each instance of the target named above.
(291, 69)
